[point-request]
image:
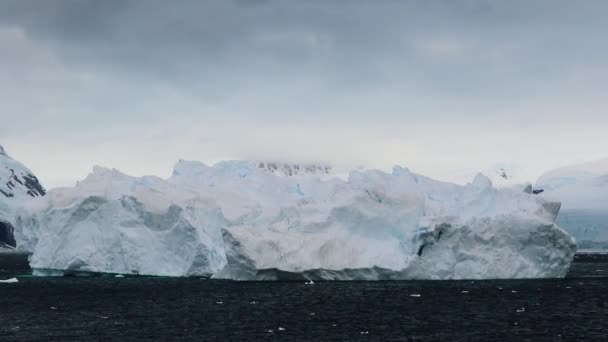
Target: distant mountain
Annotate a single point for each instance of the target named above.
(572, 177)
(17, 183)
(583, 191)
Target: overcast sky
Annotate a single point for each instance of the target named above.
(442, 87)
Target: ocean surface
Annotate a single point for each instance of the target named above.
(166, 309)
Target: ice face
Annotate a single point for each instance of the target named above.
(403, 226)
(238, 220)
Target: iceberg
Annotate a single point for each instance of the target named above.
(114, 223)
(254, 220)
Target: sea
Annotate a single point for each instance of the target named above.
(199, 309)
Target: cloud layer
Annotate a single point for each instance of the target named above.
(443, 87)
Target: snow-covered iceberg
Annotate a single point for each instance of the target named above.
(403, 226)
(114, 223)
(258, 220)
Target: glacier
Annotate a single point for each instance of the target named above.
(258, 220)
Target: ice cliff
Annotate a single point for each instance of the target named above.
(114, 223)
(251, 220)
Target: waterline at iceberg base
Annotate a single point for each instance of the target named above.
(246, 220)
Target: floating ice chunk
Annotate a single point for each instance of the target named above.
(9, 281)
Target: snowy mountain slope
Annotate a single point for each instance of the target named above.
(17, 184)
(246, 220)
(573, 175)
(17, 181)
(583, 190)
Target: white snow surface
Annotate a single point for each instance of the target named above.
(13, 185)
(17, 186)
(244, 220)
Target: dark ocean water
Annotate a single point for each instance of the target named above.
(165, 309)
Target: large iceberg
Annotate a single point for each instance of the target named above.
(114, 223)
(250, 220)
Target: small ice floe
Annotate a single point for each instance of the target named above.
(334, 325)
(521, 310)
(270, 331)
(312, 313)
(309, 282)
(253, 302)
(500, 288)
(515, 323)
(53, 308)
(364, 332)
(119, 276)
(568, 287)
(415, 295)
(9, 281)
(464, 291)
(219, 302)
(282, 329)
(513, 291)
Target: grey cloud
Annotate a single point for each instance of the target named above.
(89, 71)
(196, 43)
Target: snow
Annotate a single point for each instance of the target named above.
(248, 220)
(583, 190)
(17, 186)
